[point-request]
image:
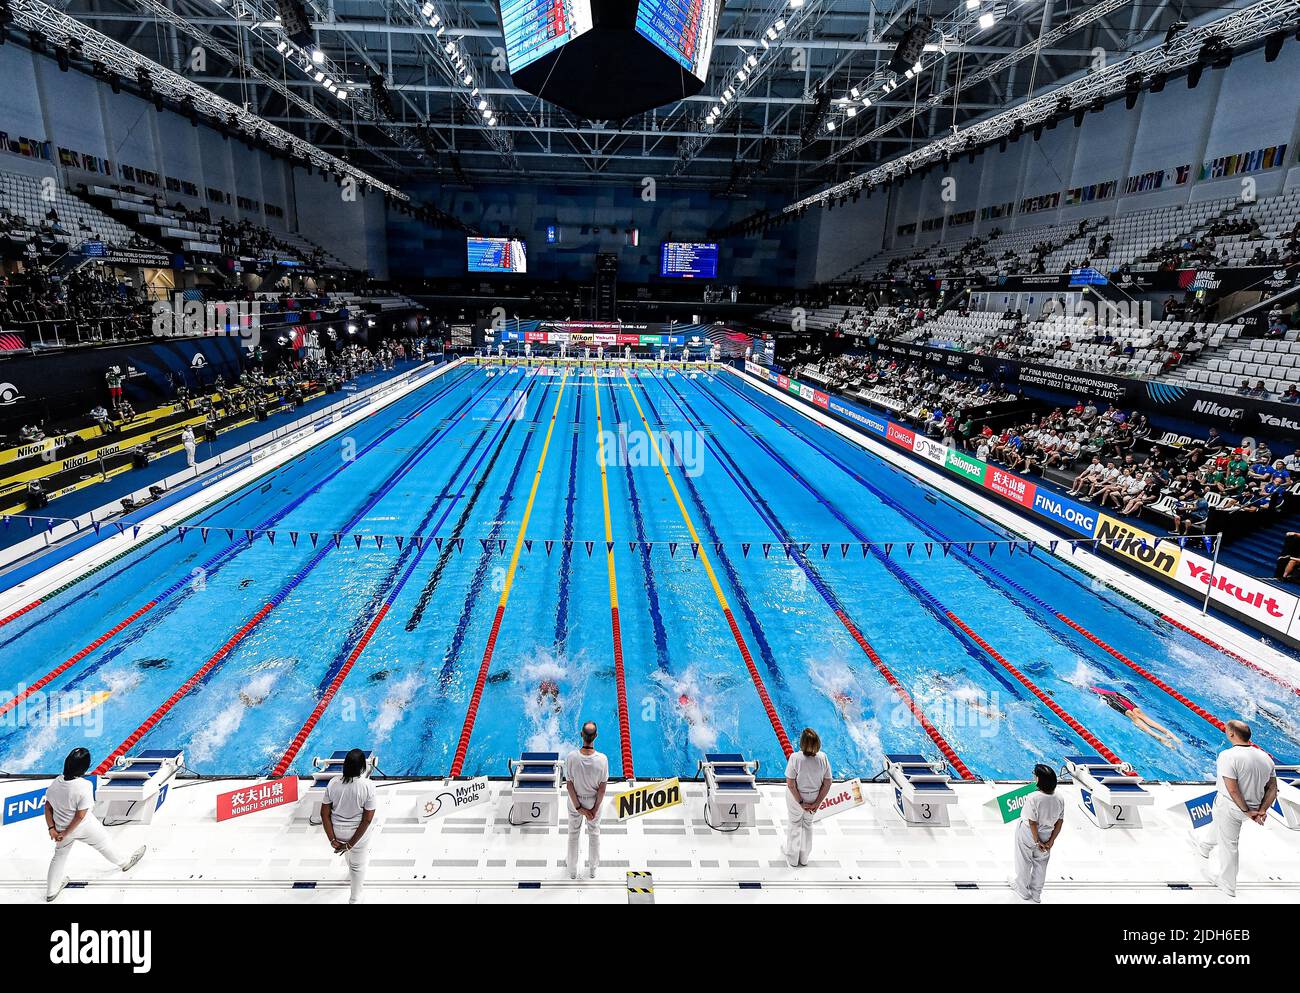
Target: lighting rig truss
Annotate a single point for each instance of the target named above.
(1236, 30)
(211, 44)
(782, 18)
(263, 22)
(1092, 13)
(34, 16)
(952, 33)
(446, 46)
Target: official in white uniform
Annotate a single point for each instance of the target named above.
(1041, 820)
(1247, 788)
(346, 813)
(69, 818)
(187, 439)
(586, 773)
(807, 781)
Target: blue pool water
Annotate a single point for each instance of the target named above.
(272, 625)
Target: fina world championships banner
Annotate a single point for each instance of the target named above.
(1179, 561)
(1223, 409)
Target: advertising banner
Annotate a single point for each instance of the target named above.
(648, 799)
(259, 796)
(1011, 486)
(1137, 545)
(1010, 804)
(1259, 600)
(1075, 516)
(965, 465)
(452, 798)
(842, 797)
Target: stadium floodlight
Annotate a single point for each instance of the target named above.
(987, 20)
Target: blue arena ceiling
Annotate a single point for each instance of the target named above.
(771, 133)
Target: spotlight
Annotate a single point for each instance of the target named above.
(1132, 87)
(296, 22)
(61, 56)
(1273, 46)
(910, 46)
(1173, 30)
(1078, 117)
(1158, 80)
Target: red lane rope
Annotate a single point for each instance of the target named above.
(1152, 678)
(623, 729)
(69, 663)
(309, 725)
(19, 612)
(185, 687)
(1230, 653)
(781, 736)
(471, 714)
(1025, 681)
(946, 749)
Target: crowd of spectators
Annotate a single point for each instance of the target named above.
(89, 303)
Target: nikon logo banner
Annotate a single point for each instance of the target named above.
(1160, 554)
(648, 799)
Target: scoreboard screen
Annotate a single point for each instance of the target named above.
(683, 29)
(534, 28)
(689, 260)
(495, 255)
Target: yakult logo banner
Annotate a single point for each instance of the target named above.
(1260, 601)
(842, 797)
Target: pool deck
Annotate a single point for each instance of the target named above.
(866, 854)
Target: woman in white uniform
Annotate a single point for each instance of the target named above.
(68, 816)
(807, 781)
(346, 813)
(1041, 820)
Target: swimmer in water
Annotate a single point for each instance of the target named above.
(1121, 704)
(548, 694)
(969, 697)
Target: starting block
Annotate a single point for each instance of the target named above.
(1286, 807)
(137, 786)
(535, 789)
(1107, 794)
(921, 791)
(731, 789)
(326, 769)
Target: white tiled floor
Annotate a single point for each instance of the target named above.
(863, 855)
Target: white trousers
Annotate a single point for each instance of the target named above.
(1225, 834)
(798, 831)
(358, 859)
(89, 832)
(1031, 864)
(189, 454)
(576, 820)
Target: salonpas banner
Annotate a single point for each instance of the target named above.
(648, 799)
(1010, 804)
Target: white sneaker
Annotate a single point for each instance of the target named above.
(591, 872)
(136, 856)
(573, 871)
(51, 897)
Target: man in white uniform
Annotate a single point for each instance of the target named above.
(346, 813)
(1041, 820)
(68, 817)
(187, 439)
(586, 773)
(807, 781)
(1247, 788)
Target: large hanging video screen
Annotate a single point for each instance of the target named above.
(534, 28)
(683, 29)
